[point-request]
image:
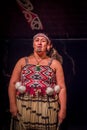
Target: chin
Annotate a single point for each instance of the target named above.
(39, 50)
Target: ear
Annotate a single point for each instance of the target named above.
(48, 47)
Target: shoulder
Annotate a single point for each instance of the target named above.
(21, 62)
(56, 64)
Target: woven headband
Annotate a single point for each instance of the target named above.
(41, 35)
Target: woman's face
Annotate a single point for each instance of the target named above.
(40, 44)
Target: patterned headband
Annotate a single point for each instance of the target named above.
(41, 35)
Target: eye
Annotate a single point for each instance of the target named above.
(43, 40)
(36, 40)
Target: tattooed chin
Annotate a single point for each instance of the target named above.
(39, 50)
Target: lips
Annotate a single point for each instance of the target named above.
(39, 46)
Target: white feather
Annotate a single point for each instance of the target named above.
(57, 88)
(17, 85)
(49, 91)
(22, 89)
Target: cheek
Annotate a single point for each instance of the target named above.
(45, 46)
(34, 45)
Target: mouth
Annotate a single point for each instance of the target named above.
(39, 48)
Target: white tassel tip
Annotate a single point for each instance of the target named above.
(17, 85)
(49, 91)
(57, 88)
(22, 89)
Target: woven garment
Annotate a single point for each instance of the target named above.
(37, 111)
(34, 79)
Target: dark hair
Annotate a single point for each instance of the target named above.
(53, 53)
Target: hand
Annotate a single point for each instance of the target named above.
(61, 116)
(13, 110)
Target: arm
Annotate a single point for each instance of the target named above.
(11, 89)
(62, 94)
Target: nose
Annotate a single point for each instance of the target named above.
(40, 42)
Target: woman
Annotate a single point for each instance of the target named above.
(37, 91)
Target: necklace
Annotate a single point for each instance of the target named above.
(38, 63)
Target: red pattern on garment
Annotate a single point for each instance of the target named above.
(37, 81)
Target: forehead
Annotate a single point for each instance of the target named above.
(41, 37)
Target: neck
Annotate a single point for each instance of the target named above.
(39, 56)
(39, 59)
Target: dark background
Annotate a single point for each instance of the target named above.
(60, 19)
(66, 24)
